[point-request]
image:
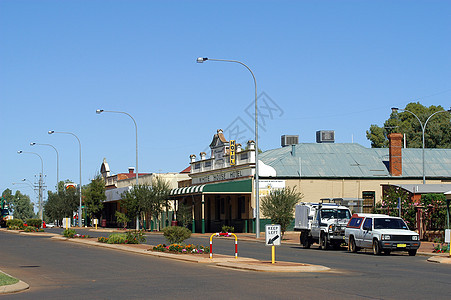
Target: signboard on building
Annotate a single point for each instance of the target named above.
(221, 176)
(266, 186)
(232, 150)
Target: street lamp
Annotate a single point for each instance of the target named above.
(79, 148)
(423, 128)
(41, 178)
(57, 161)
(99, 111)
(257, 201)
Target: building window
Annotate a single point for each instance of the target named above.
(244, 156)
(207, 164)
(368, 201)
(197, 166)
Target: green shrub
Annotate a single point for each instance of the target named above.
(31, 229)
(176, 234)
(117, 238)
(225, 229)
(34, 222)
(16, 223)
(135, 237)
(69, 233)
(102, 239)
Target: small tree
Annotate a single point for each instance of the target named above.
(121, 218)
(94, 195)
(184, 215)
(279, 206)
(20, 204)
(62, 204)
(176, 234)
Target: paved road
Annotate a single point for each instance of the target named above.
(57, 269)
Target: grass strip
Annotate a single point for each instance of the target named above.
(7, 280)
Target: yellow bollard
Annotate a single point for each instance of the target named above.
(273, 251)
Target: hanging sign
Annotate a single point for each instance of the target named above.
(232, 152)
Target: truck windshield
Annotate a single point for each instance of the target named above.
(389, 223)
(335, 214)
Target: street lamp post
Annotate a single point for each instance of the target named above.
(423, 128)
(41, 178)
(79, 148)
(99, 111)
(57, 161)
(257, 201)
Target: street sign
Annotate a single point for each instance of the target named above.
(273, 234)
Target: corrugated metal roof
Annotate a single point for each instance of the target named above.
(426, 188)
(353, 161)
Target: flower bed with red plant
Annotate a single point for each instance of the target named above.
(182, 249)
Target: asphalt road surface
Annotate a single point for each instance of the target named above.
(63, 270)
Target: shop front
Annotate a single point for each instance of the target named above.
(218, 204)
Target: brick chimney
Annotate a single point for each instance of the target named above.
(395, 154)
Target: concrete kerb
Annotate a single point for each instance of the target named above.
(440, 259)
(13, 288)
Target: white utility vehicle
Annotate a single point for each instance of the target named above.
(322, 223)
(380, 233)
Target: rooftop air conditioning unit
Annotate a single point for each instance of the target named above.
(287, 140)
(325, 136)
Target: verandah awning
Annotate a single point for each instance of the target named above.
(236, 186)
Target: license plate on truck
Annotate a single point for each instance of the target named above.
(401, 245)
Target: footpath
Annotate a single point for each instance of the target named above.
(224, 261)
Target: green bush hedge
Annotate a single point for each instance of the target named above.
(135, 237)
(34, 222)
(32, 229)
(117, 238)
(14, 224)
(226, 229)
(69, 233)
(176, 234)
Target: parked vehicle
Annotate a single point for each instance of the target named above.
(50, 225)
(382, 233)
(322, 223)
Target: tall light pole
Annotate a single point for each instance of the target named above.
(99, 111)
(257, 200)
(79, 148)
(57, 161)
(41, 179)
(423, 128)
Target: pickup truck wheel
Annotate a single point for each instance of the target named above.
(352, 246)
(412, 252)
(323, 242)
(304, 240)
(376, 248)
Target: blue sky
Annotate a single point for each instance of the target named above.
(334, 65)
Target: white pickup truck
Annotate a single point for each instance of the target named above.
(322, 223)
(380, 233)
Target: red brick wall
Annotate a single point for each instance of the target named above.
(395, 153)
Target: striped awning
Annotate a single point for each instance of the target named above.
(229, 187)
(196, 189)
